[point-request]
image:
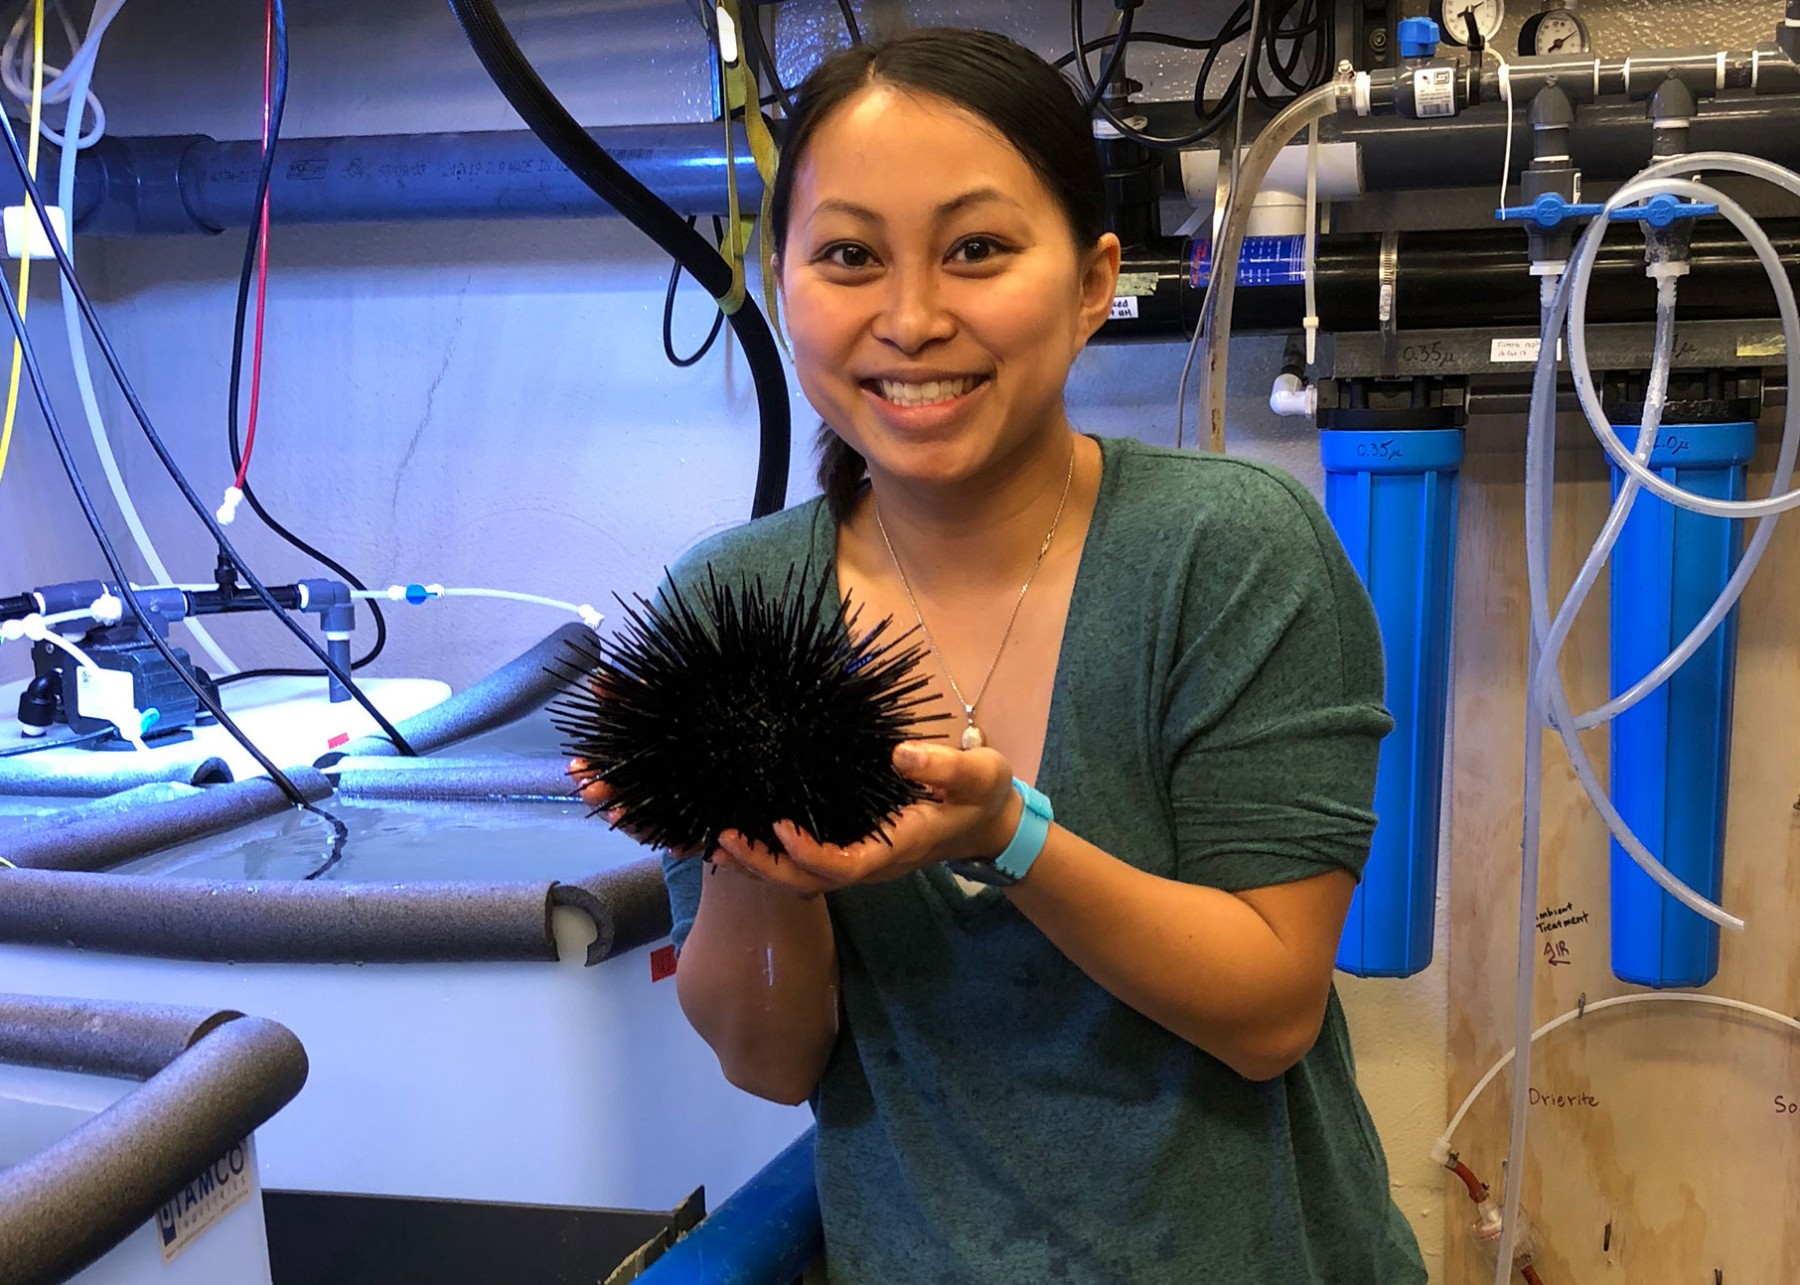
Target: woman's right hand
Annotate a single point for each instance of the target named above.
(597, 794)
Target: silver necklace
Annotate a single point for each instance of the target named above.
(972, 736)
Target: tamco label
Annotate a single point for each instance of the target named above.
(218, 1189)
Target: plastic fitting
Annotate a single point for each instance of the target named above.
(1293, 396)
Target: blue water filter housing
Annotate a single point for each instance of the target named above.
(1392, 497)
(1671, 753)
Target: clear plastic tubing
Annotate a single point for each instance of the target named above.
(82, 68)
(1782, 499)
(1215, 308)
(1546, 700)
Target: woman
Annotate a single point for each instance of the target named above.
(1103, 1048)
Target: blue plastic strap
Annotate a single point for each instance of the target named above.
(1028, 840)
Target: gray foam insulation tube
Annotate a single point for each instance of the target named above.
(294, 921)
(145, 820)
(95, 775)
(517, 688)
(210, 1079)
(447, 778)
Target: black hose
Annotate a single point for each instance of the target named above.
(1308, 26)
(1209, 123)
(1110, 64)
(757, 55)
(668, 317)
(277, 106)
(856, 36)
(1138, 38)
(194, 502)
(587, 160)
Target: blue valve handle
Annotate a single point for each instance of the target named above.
(1552, 211)
(1661, 211)
(1418, 37)
(1548, 211)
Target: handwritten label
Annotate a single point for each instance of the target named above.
(1124, 308)
(1563, 1101)
(1785, 1105)
(1383, 450)
(1431, 353)
(1556, 918)
(1520, 350)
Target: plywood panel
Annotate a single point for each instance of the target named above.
(1661, 1146)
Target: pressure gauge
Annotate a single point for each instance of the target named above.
(1453, 17)
(1556, 30)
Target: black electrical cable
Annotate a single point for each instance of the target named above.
(1139, 38)
(1210, 122)
(277, 106)
(107, 550)
(1312, 35)
(1308, 26)
(551, 122)
(19, 751)
(340, 834)
(167, 460)
(856, 35)
(668, 317)
(1110, 63)
(757, 57)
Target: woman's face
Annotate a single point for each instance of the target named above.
(934, 293)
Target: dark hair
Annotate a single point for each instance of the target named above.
(1023, 97)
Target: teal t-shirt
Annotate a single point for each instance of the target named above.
(989, 1114)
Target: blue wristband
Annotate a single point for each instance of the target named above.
(1028, 841)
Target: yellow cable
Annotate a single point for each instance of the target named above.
(37, 115)
(739, 92)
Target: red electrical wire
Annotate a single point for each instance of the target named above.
(262, 247)
(1531, 1276)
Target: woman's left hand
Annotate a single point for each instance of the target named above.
(971, 815)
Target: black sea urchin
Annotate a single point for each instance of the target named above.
(744, 709)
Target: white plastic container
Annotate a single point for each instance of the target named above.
(542, 1083)
(212, 1235)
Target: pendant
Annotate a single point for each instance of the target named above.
(972, 738)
